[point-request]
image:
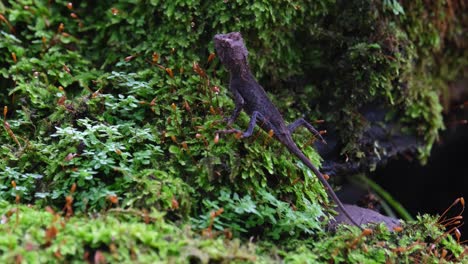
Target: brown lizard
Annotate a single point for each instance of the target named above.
(251, 97)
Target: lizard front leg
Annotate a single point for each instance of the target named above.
(239, 104)
(302, 122)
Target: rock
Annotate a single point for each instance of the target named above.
(363, 216)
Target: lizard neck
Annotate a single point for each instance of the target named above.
(240, 69)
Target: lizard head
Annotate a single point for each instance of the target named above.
(231, 49)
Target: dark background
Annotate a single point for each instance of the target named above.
(434, 187)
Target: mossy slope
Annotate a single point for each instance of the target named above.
(116, 106)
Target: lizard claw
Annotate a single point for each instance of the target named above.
(321, 138)
(229, 121)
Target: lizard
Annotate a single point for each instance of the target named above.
(250, 96)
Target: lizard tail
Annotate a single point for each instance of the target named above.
(293, 148)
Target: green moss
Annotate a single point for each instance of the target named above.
(31, 234)
(118, 108)
(140, 128)
(400, 57)
(439, 56)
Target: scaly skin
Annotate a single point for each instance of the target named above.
(251, 97)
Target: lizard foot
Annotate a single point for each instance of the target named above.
(228, 120)
(239, 134)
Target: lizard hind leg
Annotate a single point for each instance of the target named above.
(302, 122)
